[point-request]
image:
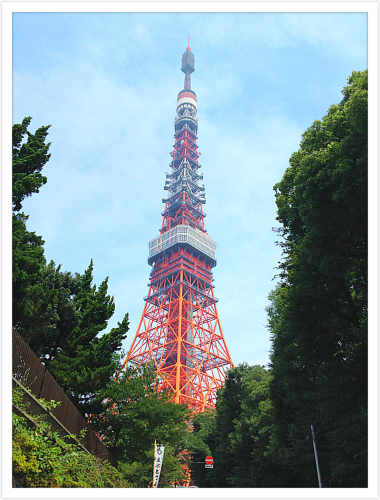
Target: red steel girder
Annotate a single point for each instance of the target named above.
(180, 334)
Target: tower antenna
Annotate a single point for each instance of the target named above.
(187, 64)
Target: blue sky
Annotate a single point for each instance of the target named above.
(108, 83)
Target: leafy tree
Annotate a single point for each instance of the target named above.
(318, 313)
(81, 361)
(238, 434)
(250, 441)
(33, 304)
(134, 415)
(201, 443)
(228, 411)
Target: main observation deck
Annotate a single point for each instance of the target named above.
(183, 235)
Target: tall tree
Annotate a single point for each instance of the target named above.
(82, 360)
(33, 304)
(250, 441)
(238, 435)
(228, 411)
(318, 313)
(201, 443)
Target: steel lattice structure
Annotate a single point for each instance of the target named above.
(180, 331)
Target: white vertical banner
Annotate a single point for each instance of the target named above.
(158, 458)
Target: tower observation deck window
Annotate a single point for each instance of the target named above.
(183, 234)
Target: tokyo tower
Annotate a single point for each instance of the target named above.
(179, 331)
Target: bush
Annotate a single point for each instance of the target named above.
(42, 459)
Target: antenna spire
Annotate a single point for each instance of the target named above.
(188, 64)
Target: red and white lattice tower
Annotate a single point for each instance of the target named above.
(179, 331)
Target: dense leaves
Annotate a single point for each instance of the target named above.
(33, 305)
(32, 299)
(237, 434)
(140, 473)
(80, 360)
(201, 443)
(318, 313)
(28, 159)
(43, 459)
(133, 415)
(136, 417)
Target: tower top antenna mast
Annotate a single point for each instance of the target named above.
(188, 64)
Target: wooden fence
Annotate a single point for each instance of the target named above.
(28, 371)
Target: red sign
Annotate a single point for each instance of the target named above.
(209, 460)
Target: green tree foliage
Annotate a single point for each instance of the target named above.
(228, 412)
(201, 443)
(134, 415)
(28, 159)
(79, 358)
(42, 459)
(140, 473)
(318, 313)
(237, 434)
(33, 304)
(61, 316)
(250, 440)
(32, 299)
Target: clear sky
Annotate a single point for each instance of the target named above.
(108, 82)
